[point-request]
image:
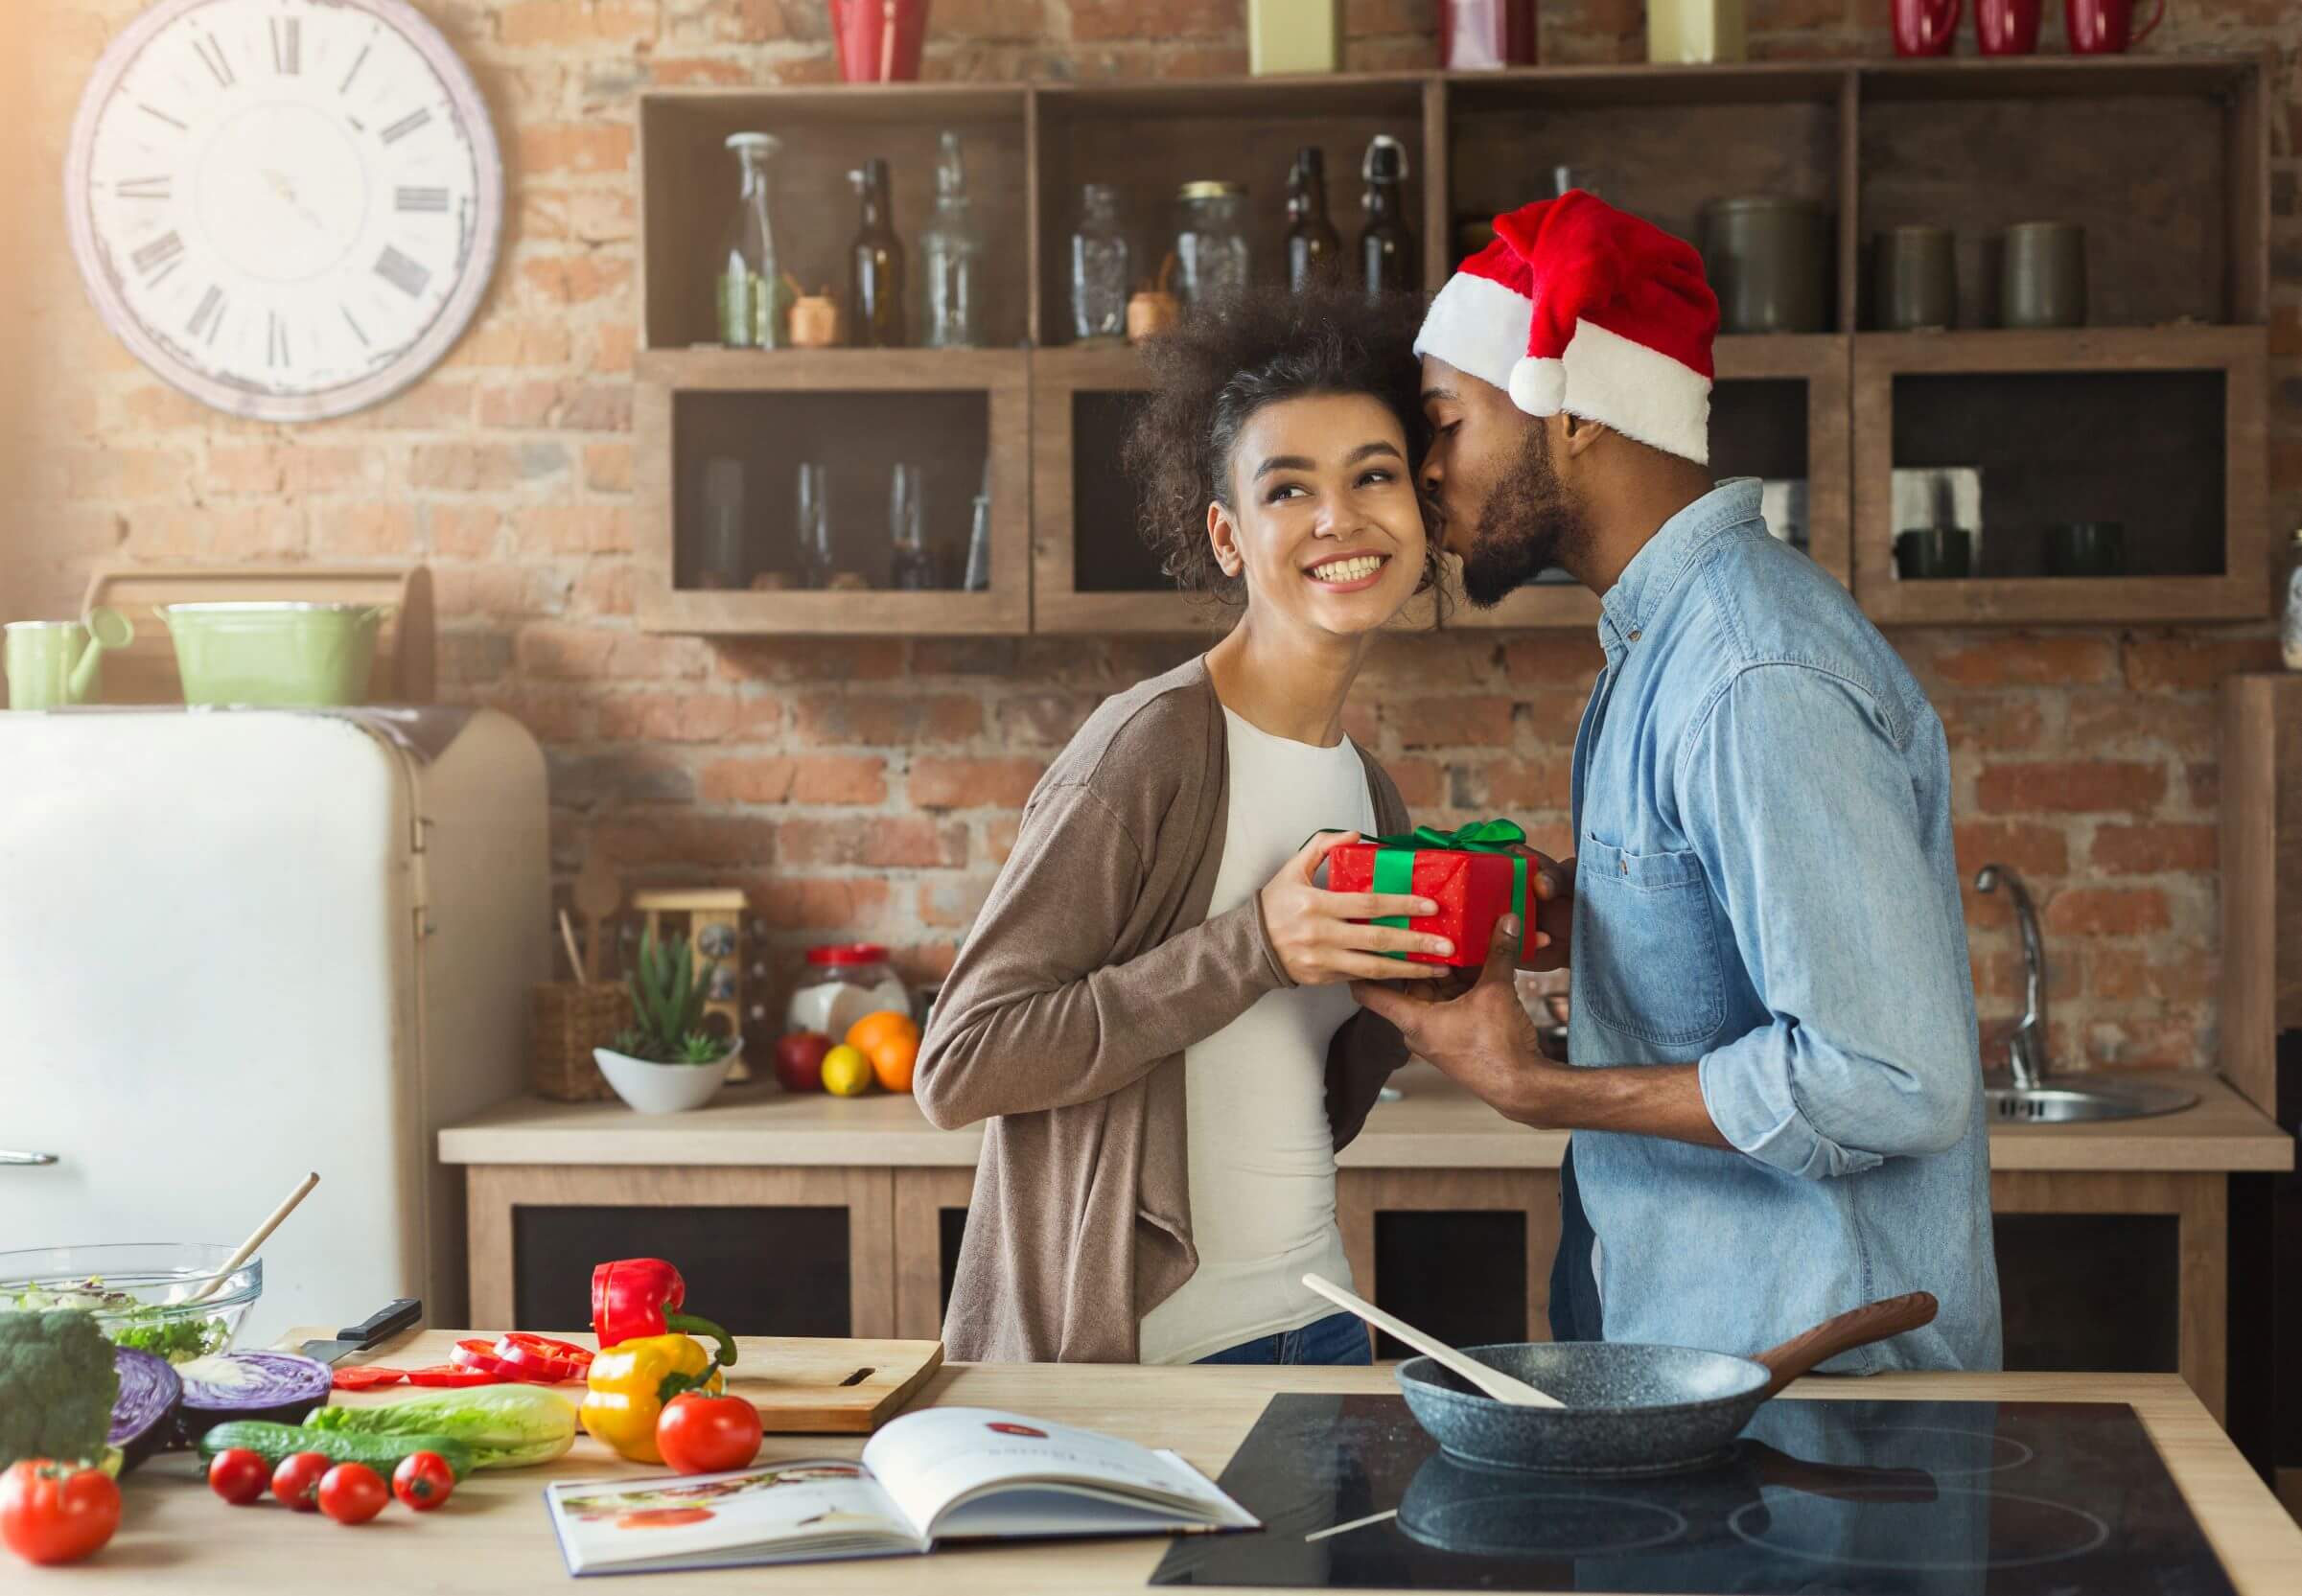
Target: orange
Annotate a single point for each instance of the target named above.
(867, 1033)
(892, 1061)
(846, 1073)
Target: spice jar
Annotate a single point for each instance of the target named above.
(1211, 240)
(842, 984)
(814, 319)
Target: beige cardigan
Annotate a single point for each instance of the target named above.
(1090, 969)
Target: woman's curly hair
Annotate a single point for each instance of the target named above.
(1220, 366)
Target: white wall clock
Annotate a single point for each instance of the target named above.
(286, 208)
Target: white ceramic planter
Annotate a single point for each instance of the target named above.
(652, 1088)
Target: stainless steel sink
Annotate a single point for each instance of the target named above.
(2068, 1098)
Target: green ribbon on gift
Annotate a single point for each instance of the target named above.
(1395, 861)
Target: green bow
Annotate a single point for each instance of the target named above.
(1395, 861)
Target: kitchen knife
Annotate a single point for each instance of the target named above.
(385, 1321)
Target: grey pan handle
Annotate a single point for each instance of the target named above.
(7, 1157)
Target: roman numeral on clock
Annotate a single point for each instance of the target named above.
(160, 256)
(406, 125)
(287, 45)
(208, 316)
(212, 52)
(145, 188)
(402, 272)
(421, 200)
(275, 340)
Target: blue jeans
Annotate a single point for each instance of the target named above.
(1340, 1338)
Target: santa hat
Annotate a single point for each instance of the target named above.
(1582, 307)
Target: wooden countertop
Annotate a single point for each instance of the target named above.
(493, 1535)
(1435, 1125)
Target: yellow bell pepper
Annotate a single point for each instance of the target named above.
(631, 1381)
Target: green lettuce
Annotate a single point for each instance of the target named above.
(507, 1426)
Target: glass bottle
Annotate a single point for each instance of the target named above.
(1386, 246)
(952, 258)
(1314, 250)
(977, 578)
(2290, 627)
(1211, 242)
(875, 265)
(748, 291)
(912, 567)
(1101, 271)
(813, 533)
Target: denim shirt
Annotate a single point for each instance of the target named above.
(1766, 888)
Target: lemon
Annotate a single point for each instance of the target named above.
(846, 1073)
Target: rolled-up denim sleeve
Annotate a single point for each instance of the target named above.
(1803, 811)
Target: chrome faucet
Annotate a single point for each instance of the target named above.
(2025, 1048)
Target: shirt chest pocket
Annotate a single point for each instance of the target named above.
(1646, 957)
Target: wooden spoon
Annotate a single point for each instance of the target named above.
(1493, 1382)
(597, 893)
(249, 1247)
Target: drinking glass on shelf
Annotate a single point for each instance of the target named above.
(912, 567)
(814, 534)
(978, 547)
(723, 553)
(1595, 180)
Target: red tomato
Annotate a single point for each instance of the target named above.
(704, 1435)
(352, 1493)
(57, 1512)
(238, 1476)
(298, 1477)
(541, 1360)
(366, 1376)
(422, 1481)
(476, 1353)
(449, 1374)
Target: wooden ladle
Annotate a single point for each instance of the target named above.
(1493, 1382)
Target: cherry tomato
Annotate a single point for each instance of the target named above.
(238, 1476)
(476, 1353)
(352, 1493)
(540, 1359)
(57, 1512)
(422, 1481)
(298, 1477)
(366, 1376)
(449, 1374)
(704, 1435)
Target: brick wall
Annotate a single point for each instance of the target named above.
(871, 786)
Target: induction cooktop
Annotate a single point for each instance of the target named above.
(1833, 1498)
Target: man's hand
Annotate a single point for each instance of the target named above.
(1550, 883)
(1481, 1036)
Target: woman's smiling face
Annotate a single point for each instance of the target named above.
(1323, 520)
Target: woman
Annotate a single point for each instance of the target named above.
(1150, 1010)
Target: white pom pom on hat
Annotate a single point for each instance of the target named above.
(1582, 307)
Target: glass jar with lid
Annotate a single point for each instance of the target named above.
(1211, 242)
(844, 982)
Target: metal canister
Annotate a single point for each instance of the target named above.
(1768, 258)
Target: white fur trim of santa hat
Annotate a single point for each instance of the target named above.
(1618, 383)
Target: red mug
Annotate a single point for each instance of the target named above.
(879, 40)
(1926, 27)
(2008, 27)
(2106, 27)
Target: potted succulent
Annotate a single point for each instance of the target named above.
(667, 1063)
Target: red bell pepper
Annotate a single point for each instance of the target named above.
(637, 1297)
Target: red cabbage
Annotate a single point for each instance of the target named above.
(143, 1417)
(276, 1387)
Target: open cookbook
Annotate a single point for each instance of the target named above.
(940, 1474)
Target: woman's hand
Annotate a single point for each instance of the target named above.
(1311, 928)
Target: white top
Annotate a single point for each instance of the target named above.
(1262, 1152)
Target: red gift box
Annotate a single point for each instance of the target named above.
(1473, 888)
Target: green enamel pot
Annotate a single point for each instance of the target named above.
(274, 654)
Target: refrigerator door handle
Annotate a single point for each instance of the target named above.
(7, 1157)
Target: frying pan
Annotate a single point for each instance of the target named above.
(1630, 1409)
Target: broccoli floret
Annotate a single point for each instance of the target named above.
(57, 1386)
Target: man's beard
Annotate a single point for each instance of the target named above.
(1529, 523)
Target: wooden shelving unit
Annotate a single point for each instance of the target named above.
(2163, 159)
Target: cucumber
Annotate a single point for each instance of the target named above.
(380, 1452)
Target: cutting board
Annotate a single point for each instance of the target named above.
(801, 1386)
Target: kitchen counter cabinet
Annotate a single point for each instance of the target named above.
(1437, 1158)
(494, 1535)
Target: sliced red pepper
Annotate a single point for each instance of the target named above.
(366, 1376)
(476, 1353)
(449, 1374)
(541, 1360)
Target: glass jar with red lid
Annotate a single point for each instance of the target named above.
(842, 984)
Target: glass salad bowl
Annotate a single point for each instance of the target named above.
(140, 1293)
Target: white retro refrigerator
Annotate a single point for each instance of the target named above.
(238, 945)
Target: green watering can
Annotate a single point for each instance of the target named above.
(52, 663)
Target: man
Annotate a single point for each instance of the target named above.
(1775, 1088)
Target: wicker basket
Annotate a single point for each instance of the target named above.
(567, 1019)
